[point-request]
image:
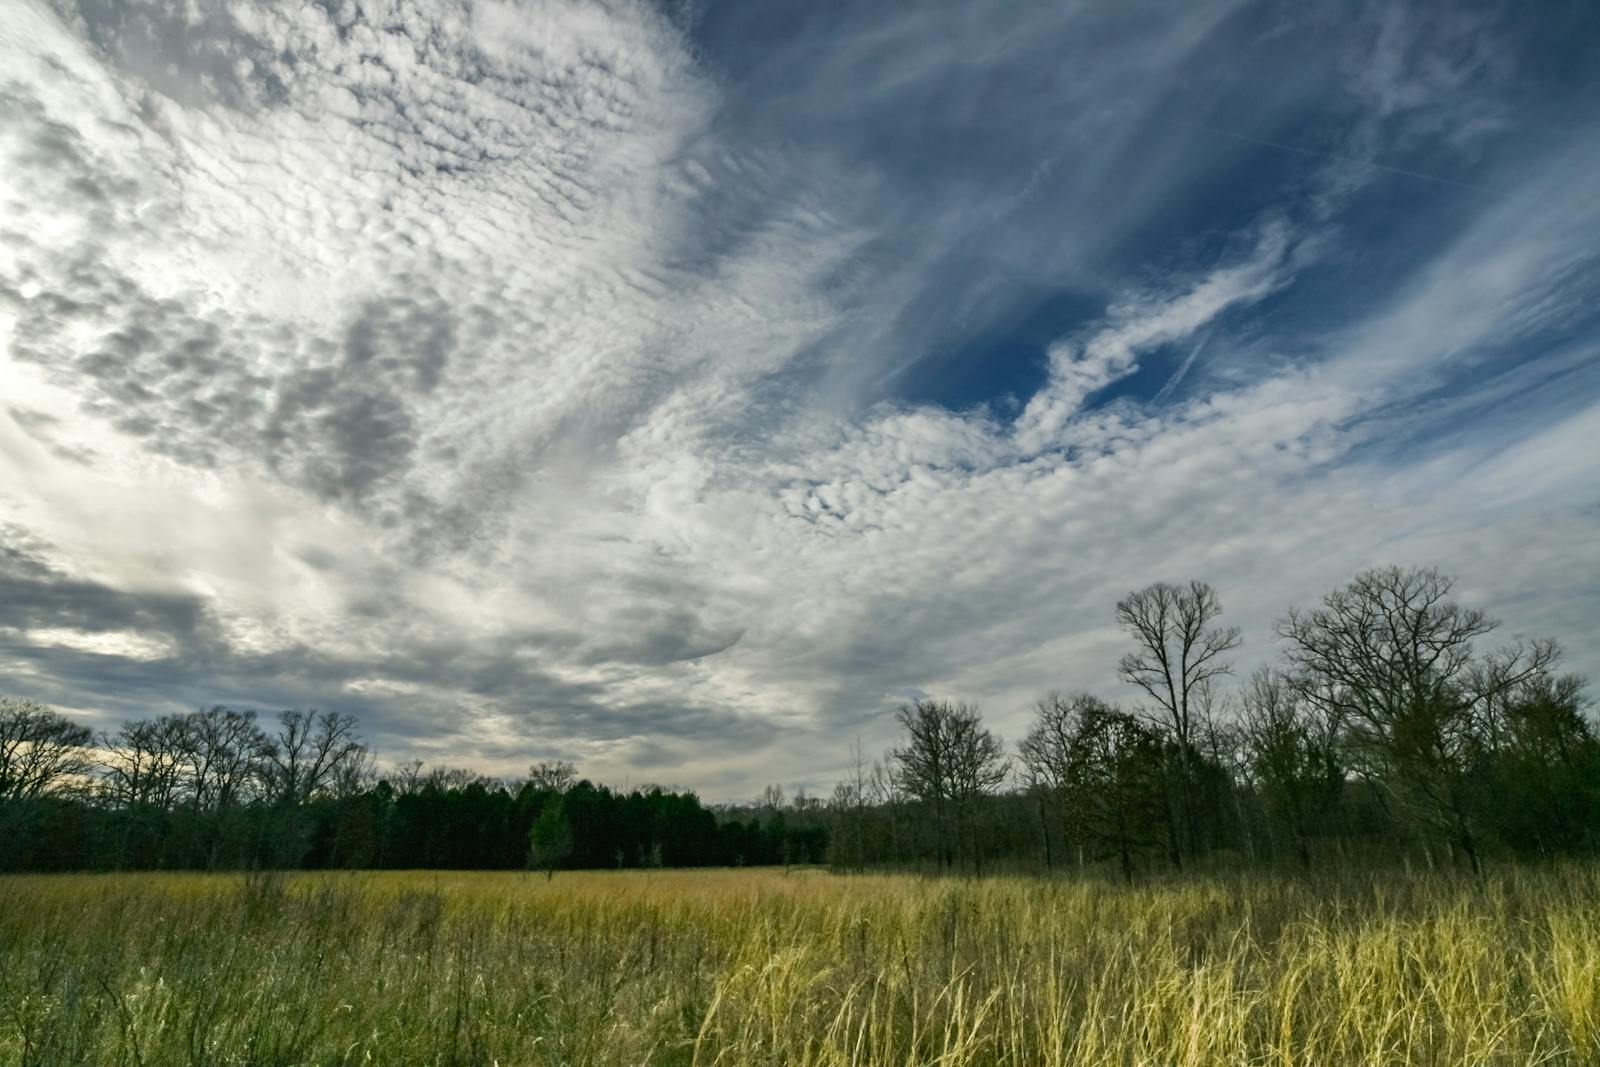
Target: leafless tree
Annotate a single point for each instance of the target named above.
(555, 776)
(143, 763)
(1046, 749)
(445, 779)
(1051, 754)
(1390, 657)
(1291, 751)
(849, 808)
(1179, 653)
(41, 751)
(886, 792)
(224, 758)
(407, 778)
(1179, 648)
(948, 761)
(353, 776)
(1220, 738)
(309, 751)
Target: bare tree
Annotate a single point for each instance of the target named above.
(144, 761)
(1390, 656)
(353, 776)
(1050, 756)
(308, 752)
(1045, 750)
(1180, 648)
(1179, 652)
(1291, 749)
(886, 791)
(1230, 750)
(224, 757)
(407, 778)
(40, 750)
(949, 761)
(445, 779)
(554, 776)
(848, 806)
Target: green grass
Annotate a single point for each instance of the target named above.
(755, 967)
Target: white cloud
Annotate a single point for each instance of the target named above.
(461, 368)
(1144, 322)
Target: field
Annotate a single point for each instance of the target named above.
(759, 967)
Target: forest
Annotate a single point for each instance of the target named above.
(1390, 730)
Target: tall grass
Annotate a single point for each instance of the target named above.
(755, 967)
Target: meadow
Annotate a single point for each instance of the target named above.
(743, 967)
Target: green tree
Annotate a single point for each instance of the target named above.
(1546, 768)
(1113, 783)
(550, 840)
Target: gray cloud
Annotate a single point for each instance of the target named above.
(526, 383)
(38, 596)
(197, 666)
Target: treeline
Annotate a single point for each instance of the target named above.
(220, 789)
(1385, 732)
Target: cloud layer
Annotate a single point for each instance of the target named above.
(676, 394)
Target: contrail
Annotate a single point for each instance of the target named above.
(1172, 382)
(1328, 155)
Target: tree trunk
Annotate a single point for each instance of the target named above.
(1470, 846)
(1191, 833)
(1244, 824)
(1044, 828)
(1174, 852)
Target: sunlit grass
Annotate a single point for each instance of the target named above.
(759, 967)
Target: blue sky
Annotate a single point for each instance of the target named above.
(672, 388)
(1153, 135)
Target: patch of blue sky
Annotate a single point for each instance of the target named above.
(1001, 362)
(1023, 172)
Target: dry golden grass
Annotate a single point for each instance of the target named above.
(755, 967)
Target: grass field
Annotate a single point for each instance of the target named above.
(756, 967)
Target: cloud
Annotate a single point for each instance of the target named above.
(545, 379)
(1143, 322)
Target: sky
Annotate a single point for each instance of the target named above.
(679, 388)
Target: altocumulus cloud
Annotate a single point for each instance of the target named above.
(565, 378)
